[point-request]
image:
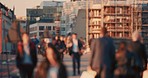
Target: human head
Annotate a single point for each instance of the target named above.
(103, 31)
(53, 41)
(25, 38)
(122, 45)
(52, 54)
(61, 38)
(74, 36)
(34, 36)
(46, 40)
(136, 36)
(57, 37)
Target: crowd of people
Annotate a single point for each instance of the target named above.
(129, 61)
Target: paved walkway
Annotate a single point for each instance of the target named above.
(67, 62)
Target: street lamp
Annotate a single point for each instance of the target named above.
(87, 8)
(28, 23)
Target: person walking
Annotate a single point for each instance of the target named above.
(26, 58)
(138, 49)
(68, 43)
(35, 40)
(103, 55)
(61, 47)
(123, 60)
(75, 52)
(51, 66)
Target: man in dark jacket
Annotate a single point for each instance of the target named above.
(138, 48)
(103, 55)
(76, 53)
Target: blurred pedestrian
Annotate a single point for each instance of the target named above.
(123, 60)
(60, 46)
(90, 40)
(68, 43)
(103, 55)
(75, 52)
(51, 66)
(35, 40)
(54, 41)
(26, 58)
(139, 50)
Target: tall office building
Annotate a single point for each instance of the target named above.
(47, 12)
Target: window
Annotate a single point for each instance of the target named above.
(49, 27)
(41, 27)
(40, 33)
(63, 29)
(53, 28)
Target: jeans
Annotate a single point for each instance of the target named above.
(76, 60)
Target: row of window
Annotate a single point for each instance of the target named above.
(95, 22)
(46, 27)
(95, 13)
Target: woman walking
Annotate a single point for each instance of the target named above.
(26, 58)
(51, 66)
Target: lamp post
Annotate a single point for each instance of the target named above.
(28, 23)
(87, 21)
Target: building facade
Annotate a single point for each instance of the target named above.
(23, 22)
(117, 18)
(94, 23)
(48, 11)
(6, 17)
(120, 17)
(39, 27)
(80, 24)
(70, 13)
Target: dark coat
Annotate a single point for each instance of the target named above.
(33, 54)
(139, 48)
(80, 45)
(103, 54)
(60, 45)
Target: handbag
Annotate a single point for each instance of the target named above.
(89, 74)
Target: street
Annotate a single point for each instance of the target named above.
(67, 62)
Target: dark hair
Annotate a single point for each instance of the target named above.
(74, 33)
(122, 45)
(56, 53)
(103, 30)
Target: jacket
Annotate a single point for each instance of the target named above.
(79, 46)
(103, 54)
(138, 48)
(33, 55)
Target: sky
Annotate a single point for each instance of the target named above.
(21, 5)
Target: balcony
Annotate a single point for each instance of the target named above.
(93, 16)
